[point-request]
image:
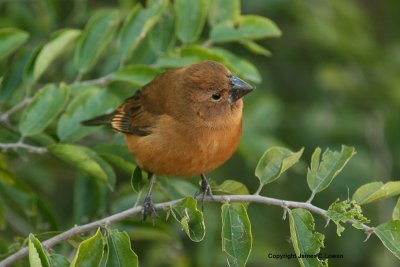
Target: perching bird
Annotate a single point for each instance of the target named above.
(186, 122)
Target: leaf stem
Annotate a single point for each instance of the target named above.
(260, 187)
(311, 197)
(165, 205)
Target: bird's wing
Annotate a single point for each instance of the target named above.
(132, 117)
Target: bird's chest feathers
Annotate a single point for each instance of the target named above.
(180, 150)
(206, 148)
(213, 142)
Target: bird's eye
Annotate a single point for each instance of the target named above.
(216, 97)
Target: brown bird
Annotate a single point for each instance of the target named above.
(186, 122)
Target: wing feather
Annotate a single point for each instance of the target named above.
(133, 118)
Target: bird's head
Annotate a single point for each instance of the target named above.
(213, 93)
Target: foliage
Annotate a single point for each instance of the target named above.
(344, 211)
(305, 240)
(62, 63)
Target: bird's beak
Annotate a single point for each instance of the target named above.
(239, 88)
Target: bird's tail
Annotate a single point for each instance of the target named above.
(99, 120)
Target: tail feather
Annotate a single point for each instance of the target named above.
(99, 120)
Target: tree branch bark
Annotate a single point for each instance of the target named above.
(6, 115)
(30, 148)
(136, 210)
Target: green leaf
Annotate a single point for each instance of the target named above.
(95, 38)
(178, 188)
(90, 102)
(245, 27)
(117, 155)
(120, 253)
(58, 260)
(2, 216)
(255, 48)
(89, 199)
(12, 78)
(389, 234)
(137, 24)
(238, 65)
(152, 233)
(304, 238)
(187, 56)
(17, 195)
(190, 19)
(230, 187)
(194, 53)
(343, 211)
(37, 256)
(44, 108)
(90, 252)
(138, 75)
(396, 211)
(28, 70)
(322, 172)
(222, 10)
(137, 180)
(274, 162)
(50, 51)
(85, 160)
(191, 219)
(10, 40)
(162, 37)
(375, 191)
(236, 234)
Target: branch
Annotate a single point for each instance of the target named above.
(30, 148)
(136, 210)
(6, 115)
(99, 81)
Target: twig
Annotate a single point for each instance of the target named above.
(30, 148)
(6, 115)
(78, 77)
(137, 210)
(99, 81)
(207, 43)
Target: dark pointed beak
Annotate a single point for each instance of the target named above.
(239, 88)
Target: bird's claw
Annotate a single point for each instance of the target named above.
(204, 190)
(148, 208)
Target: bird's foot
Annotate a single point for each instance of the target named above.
(148, 209)
(204, 190)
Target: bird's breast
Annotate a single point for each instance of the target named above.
(176, 149)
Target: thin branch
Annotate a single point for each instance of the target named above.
(207, 43)
(30, 148)
(78, 77)
(6, 115)
(99, 81)
(105, 222)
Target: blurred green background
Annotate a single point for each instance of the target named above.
(333, 79)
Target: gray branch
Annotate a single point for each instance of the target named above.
(6, 115)
(30, 148)
(137, 210)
